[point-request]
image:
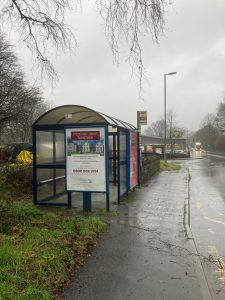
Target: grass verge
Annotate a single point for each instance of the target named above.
(165, 166)
(39, 250)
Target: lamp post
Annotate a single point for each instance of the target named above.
(165, 125)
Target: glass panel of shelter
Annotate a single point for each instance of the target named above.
(50, 150)
(113, 158)
(50, 166)
(44, 147)
(118, 139)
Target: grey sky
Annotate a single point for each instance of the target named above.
(193, 45)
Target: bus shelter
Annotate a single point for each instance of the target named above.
(79, 150)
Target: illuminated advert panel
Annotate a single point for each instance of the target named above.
(133, 159)
(85, 159)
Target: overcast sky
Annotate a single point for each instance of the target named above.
(193, 45)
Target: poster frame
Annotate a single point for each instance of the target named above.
(105, 127)
(137, 160)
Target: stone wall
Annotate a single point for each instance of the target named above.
(150, 166)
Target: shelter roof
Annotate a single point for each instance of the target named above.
(76, 114)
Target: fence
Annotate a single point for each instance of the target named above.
(150, 166)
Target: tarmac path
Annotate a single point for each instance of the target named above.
(145, 254)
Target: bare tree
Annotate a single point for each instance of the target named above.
(19, 103)
(156, 129)
(19, 128)
(41, 24)
(173, 130)
(208, 133)
(208, 119)
(171, 123)
(212, 130)
(11, 84)
(220, 117)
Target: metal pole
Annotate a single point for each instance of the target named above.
(165, 118)
(165, 125)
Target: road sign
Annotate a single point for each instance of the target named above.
(142, 117)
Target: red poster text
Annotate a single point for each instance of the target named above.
(85, 135)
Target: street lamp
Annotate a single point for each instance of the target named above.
(165, 129)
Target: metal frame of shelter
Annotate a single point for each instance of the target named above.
(50, 160)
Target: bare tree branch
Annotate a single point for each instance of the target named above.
(130, 20)
(41, 26)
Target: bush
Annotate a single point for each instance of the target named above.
(16, 178)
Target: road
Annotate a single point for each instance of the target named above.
(145, 254)
(207, 203)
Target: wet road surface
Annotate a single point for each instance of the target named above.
(207, 202)
(145, 254)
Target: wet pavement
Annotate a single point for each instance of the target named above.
(145, 253)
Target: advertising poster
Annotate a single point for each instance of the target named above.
(85, 159)
(133, 159)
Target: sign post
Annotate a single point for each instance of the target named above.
(141, 120)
